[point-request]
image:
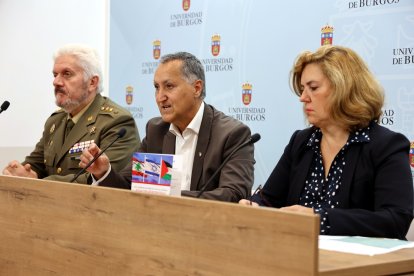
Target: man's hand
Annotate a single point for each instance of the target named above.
(100, 166)
(248, 202)
(14, 168)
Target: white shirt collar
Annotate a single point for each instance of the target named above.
(194, 125)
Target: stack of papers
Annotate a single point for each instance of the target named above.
(362, 245)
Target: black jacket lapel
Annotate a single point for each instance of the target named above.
(202, 146)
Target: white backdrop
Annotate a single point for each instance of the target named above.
(258, 42)
(30, 32)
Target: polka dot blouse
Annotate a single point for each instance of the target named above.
(319, 192)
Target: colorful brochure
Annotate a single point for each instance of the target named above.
(156, 173)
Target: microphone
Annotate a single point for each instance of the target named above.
(120, 134)
(4, 106)
(253, 139)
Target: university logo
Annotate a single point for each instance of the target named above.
(326, 35)
(247, 93)
(215, 45)
(186, 5)
(412, 154)
(129, 96)
(156, 52)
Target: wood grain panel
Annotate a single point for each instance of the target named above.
(50, 228)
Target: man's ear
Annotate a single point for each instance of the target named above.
(93, 83)
(198, 88)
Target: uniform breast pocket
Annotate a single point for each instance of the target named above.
(72, 162)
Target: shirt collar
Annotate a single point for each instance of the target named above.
(76, 118)
(359, 136)
(194, 125)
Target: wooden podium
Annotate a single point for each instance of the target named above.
(55, 228)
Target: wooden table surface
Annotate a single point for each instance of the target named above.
(337, 263)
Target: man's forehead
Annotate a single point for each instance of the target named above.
(67, 62)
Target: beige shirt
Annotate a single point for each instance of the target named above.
(76, 118)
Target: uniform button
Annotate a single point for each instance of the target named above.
(44, 161)
(59, 170)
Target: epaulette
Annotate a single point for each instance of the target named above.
(57, 111)
(109, 109)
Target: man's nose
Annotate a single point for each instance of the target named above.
(160, 95)
(57, 81)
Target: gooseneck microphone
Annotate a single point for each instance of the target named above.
(120, 134)
(4, 106)
(253, 139)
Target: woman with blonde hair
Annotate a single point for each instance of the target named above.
(345, 167)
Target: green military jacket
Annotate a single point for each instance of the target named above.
(57, 158)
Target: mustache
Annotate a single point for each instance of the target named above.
(59, 90)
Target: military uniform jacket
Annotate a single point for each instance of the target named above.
(57, 158)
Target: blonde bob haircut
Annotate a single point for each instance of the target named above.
(356, 98)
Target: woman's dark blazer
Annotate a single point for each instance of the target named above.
(376, 195)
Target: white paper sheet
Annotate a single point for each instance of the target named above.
(362, 245)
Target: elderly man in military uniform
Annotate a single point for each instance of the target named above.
(85, 117)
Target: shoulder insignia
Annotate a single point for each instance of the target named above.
(109, 109)
(57, 111)
(52, 129)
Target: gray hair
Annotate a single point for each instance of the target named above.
(192, 69)
(88, 59)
